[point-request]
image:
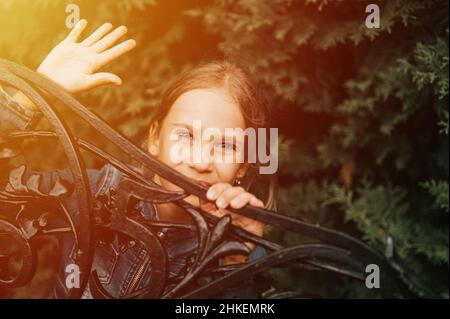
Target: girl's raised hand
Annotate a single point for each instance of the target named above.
(74, 64)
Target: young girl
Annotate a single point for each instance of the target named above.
(217, 95)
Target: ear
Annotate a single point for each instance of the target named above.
(153, 139)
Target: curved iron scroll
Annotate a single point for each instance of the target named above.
(338, 252)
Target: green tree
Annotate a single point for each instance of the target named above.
(367, 150)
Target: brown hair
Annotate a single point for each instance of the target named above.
(237, 82)
(218, 74)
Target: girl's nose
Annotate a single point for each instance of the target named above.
(201, 167)
(202, 162)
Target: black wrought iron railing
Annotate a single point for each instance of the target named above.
(337, 252)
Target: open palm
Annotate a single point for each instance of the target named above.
(74, 64)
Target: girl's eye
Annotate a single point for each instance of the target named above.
(226, 146)
(183, 134)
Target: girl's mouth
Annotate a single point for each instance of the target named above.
(203, 183)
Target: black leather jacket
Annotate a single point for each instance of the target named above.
(122, 264)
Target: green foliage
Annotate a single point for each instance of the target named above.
(363, 112)
(439, 191)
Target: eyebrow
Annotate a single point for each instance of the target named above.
(188, 126)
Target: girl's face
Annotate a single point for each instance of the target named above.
(215, 110)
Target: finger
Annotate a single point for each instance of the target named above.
(207, 206)
(228, 195)
(217, 212)
(251, 225)
(97, 34)
(113, 53)
(109, 40)
(216, 189)
(77, 30)
(237, 220)
(256, 228)
(241, 200)
(257, 202)
(103, 78)
(250, 245)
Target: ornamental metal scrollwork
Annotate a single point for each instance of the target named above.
(332, 251)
